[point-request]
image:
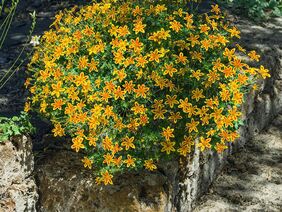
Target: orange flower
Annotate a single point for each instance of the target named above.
(77, 144)
(57, 105)
(168, 133)
(192, 126)
(87, 162)
(107, 178)
(167, 146)
(150, 165)
(107, 143)
(141, 90)
(175, 26)
(58, 130)
(139, 27)
(204, 143)
(128, 143)
(220, 147)
(130, 162)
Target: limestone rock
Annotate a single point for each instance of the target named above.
(65, 185)
(18, 191)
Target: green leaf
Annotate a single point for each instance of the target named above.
(4, 138)
(277, 11)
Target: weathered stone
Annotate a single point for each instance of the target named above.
(278, 95)
(66, 186)
(251, 181)
(18, 191)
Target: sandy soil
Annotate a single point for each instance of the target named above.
(252, 180)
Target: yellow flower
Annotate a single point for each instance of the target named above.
(107, 178)
(154, 56)
(184, 104)
(139, 26)
(82, 62)
(171, 100)
(108, 159)
(141, 61)
(229, 53)
(57, 105)
(87, 162)
(43, 106)
(185, 146)
(123, 31)
(92, 141)
(163, 34)
(80, 79)
(58, 130)
(168, 133)
(197, 74)
(204, 143)
(57, 89)
(119, 93)
(144, 120)
(215, 9)
(175, 26)
(206, 44)
(238, 97)
(263, 72)
(169, 69)
(130, 161)
(128, 143)
(27, 107)
(137, 11)
(107, 143)
(159, 113)
(220, 147)
(77, 144)
(192, 126)
(129, 86)
(150, 165)
(194, 39)
(141, 90)
(197, 94)
(136, 45)
(167, 146)
(138, 109)
(181, 58)
(204, 28)
(234, 32)
(174, 117)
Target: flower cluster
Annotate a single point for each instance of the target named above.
(132, 83)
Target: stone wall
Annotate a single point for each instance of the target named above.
(18, 191)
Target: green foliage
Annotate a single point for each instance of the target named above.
(256, 9)
(14, 126)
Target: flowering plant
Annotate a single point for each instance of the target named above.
(135, 82)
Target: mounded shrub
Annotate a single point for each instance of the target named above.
(133, 83)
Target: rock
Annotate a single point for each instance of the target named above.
(252, 181)
(65, 185)
(18, 190)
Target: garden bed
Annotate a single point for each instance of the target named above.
(63, 184)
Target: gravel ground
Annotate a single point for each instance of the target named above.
(252, 179)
